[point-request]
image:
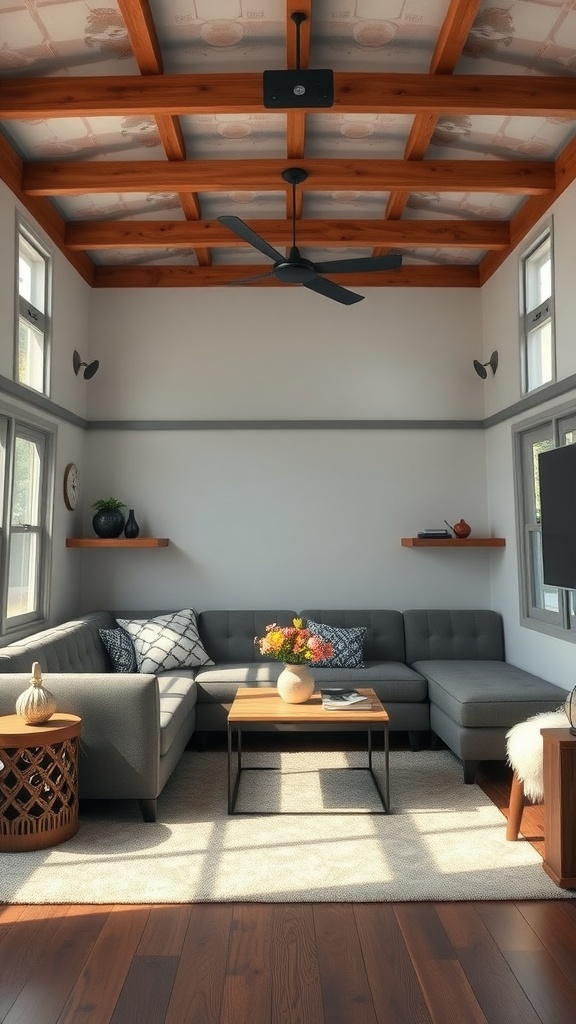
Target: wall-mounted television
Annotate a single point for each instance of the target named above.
(557, 471)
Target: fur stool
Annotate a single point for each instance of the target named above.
(524, 749)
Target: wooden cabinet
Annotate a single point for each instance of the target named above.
(560, 806)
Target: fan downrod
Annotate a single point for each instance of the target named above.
(294, 175)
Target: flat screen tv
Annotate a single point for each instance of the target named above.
(557, 469)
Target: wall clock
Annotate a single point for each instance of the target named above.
(71, 486)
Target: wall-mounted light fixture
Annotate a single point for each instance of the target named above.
(91, 368)
(481, 367)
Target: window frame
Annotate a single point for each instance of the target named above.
(15, 424)
(553, 425)
(27, 312)
(539, 315)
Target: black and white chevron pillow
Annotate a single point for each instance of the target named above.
(167, 641)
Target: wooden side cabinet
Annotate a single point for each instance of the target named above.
(560, 806)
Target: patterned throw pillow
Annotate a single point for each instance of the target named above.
(120, 648)
(167, 641)
(347, 644)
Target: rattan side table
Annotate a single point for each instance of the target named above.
(38, 782)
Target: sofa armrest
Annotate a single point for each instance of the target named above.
(120, 739)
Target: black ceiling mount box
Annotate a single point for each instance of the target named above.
(304, 88)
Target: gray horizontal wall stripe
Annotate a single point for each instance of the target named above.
(38, 401)
(546, 394)
(285, 425)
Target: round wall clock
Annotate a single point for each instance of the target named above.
(71, 486)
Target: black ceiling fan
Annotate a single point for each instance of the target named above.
(295, 269)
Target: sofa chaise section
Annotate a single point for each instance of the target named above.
(135, 726)
(475, 695)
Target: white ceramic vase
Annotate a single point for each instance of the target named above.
(36, 705)
(295, 684)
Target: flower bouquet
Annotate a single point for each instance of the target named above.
(294, 645)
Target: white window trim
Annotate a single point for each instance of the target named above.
(12, 418)
(27, 310)
(563, 623)
(528, 319)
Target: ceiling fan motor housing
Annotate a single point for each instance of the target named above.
(311, 87)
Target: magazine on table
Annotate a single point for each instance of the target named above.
(340, 699)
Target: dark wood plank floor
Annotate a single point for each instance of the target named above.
(404, 963)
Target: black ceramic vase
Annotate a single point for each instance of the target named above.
(108, 523)
(131, 530)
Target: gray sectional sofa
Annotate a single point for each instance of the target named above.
(443, 670)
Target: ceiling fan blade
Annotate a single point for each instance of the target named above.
(243, 231)
(257, 277)
(359, 264)
(333, 291)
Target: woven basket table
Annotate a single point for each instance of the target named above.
(38, 782)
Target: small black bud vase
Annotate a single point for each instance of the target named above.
(131, 530)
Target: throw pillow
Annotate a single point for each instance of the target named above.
(347, 644)
(167, 641)
(120, 648)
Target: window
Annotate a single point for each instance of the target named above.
(537, 324)
(33, 319)
(552, 607)
(26, 453)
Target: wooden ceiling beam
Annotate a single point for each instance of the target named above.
(72, 177)
(43, 211)
(210, 277)
(142, 34)
(455, 30)
(146, 48)
(453, 35)
(239, 93)
(533, 210)
(150, 234)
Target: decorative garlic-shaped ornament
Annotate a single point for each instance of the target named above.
(36, 705)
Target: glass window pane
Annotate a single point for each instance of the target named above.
(23, 574)
(542, 596)
(30, 356)
(32, 274)
(26, 484)
(539, 276)
(538, 447)
(539, 364)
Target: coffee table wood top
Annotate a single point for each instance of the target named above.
(263, 704)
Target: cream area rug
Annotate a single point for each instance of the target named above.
(443, 840)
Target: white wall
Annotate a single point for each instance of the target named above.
(548, 656)
(287, 517)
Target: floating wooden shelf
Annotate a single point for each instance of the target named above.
(117, 542)
(453, 542)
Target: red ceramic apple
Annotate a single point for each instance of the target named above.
(462, 529)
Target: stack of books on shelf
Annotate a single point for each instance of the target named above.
(438, 532)
(344, 700)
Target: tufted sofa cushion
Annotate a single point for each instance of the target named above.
(229, 636)
(74, 646)
(446, 635)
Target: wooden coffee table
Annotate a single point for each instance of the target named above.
(253, 705)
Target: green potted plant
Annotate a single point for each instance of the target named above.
(108, 520)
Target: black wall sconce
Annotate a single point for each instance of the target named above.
(481, 367)
(91, 368)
